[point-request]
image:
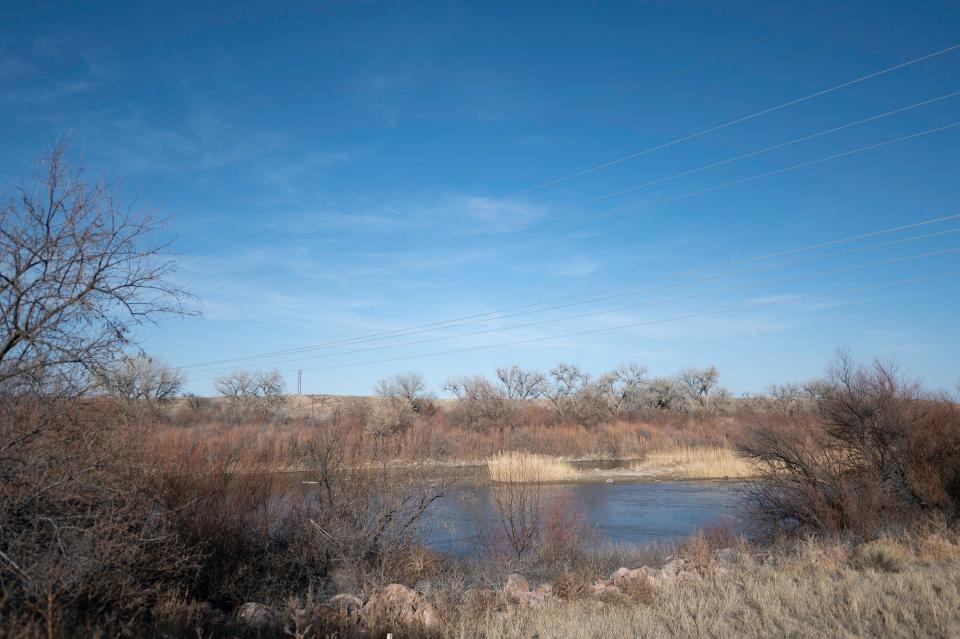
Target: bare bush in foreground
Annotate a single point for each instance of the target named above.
(880, 452)
(80, 536)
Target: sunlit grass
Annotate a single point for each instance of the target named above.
(517, 466)
(713, 462)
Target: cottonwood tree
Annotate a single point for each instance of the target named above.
(252, 391)
(700, 382)
(408, 387)
(142, 378)
(624, 388)
(405, 394)
(666, 393)
(522, 384)
(480, 404)
(788, 398)
(567, 381)
(78, 271)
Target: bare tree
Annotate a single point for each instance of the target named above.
(271, 388)
(409, 386)
(788, 398)
(568, 380)
(624, 387)
(142, 378)
(480, 404)
(77, 273)
(522, 384)
(700, 382)
(410, 389)
(364, 517)
(666, 393)
(252, 391)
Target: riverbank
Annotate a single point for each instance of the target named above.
(672, 463)
(825, 592)
(908, 586)
(695, 463)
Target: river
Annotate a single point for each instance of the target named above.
(634, 512)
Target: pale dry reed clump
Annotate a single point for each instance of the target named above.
(713, 462)
(517, 466)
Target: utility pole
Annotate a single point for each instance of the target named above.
(299, 380)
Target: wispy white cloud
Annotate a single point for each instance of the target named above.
(576, 266)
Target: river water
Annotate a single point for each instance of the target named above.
(634, 512)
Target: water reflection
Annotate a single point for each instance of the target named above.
(624, 512)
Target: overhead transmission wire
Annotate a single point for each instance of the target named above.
(753, 285)
(734, 159)
(669, 143)
(753, 116)
(631, 325)
(740, 120)
(752, 178)
(761, 151)
(618, 309)
(504, 313)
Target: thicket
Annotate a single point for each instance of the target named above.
(876, 452)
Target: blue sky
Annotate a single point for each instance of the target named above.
(337, 170)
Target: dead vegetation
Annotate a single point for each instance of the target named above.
(133, 515)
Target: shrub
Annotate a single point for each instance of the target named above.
(878, 453)
(640, 591)
(565, 531)
(882, 555)
(570, 585)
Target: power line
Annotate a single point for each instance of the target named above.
(506, 312)
(649, 149)
(632, 325)
(759, 176)
(862, 236)
(823, 273)
(757, 152)
(793, 167)
(710, 165)
(739, 120)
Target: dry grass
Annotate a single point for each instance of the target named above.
(796, 596)
(713, 462)
(517, 466)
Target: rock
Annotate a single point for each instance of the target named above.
(257, 615)
(622, 576)
(652, 573)
(516, 584)
(674, 567)
(533, 599)
(686, 576)
(518, 591)
(400, 605)
(603, 588)
(349, 605)
(619, 575)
